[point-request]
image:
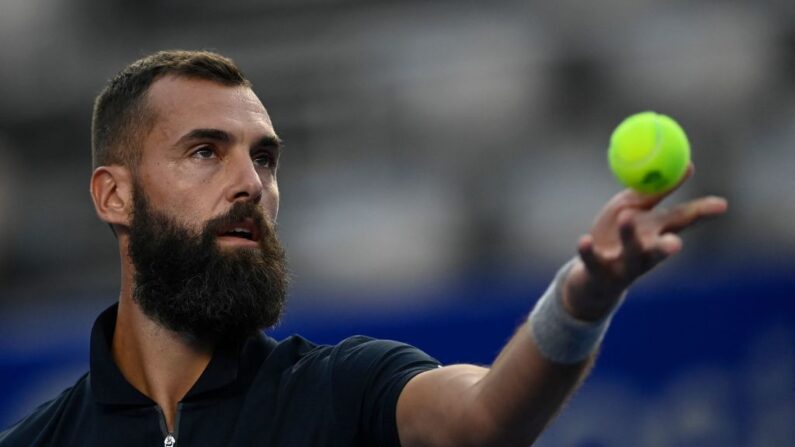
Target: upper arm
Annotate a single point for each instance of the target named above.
(368, 378)
(435, 406)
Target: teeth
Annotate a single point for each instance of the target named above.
(240, 232)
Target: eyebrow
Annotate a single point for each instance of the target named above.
(268, 141)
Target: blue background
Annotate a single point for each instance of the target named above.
(716, 348)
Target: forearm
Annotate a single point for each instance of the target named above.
(540, 367)
(512, 402)
(533, 375)
(548, 357)
(523, 391)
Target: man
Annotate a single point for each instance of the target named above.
(185, 161)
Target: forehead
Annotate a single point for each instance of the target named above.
(180, 104)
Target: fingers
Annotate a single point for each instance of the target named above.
(648, 201)
(687, 214)
(631, 246)
(629, 237)
(641, 252)
(594, 260)
(588, 254)
(664, 247)
(627, 231)
(630, 198)
(669, 244)
(638, 251)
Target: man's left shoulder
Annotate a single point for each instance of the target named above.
(362, 356)
(356, 355)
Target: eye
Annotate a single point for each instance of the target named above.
(203, 153)
(263, 159)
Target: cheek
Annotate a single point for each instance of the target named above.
(185, 190)
(184, 205)
(270, 200)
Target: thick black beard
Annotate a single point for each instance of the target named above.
(187, 284)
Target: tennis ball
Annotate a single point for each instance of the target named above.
(649, 152)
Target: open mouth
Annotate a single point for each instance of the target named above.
(242, 230)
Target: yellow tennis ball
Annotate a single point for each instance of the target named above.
(649, 152)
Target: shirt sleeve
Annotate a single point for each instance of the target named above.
(369, 375)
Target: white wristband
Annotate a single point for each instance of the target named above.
(559, 336)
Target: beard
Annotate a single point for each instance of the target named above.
(187, 284)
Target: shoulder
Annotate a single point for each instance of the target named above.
(39, 426)
(370, 374)
(351, 386)
(354, 352)
(361, 351)
(362, 365)
(355, 360)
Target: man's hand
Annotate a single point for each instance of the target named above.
(629, 237)
(511, 403)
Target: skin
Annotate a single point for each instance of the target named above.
(507, 404)
(191, 179)
(510, 403)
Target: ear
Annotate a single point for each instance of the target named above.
(111, 191)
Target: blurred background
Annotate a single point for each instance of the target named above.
(442, 157)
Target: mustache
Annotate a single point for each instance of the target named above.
(239, 212)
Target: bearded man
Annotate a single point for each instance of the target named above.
(185, 161)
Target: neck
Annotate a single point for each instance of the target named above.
(158, 362)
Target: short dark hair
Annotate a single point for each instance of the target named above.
(120, 113)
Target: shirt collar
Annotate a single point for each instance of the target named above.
(110, 387)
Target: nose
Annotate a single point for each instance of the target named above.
(244, 183)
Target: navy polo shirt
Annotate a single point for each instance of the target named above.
(257, 393)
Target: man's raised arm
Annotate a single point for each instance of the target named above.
(510, 403)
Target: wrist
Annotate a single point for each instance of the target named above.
(586, 299)
(559, 336)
